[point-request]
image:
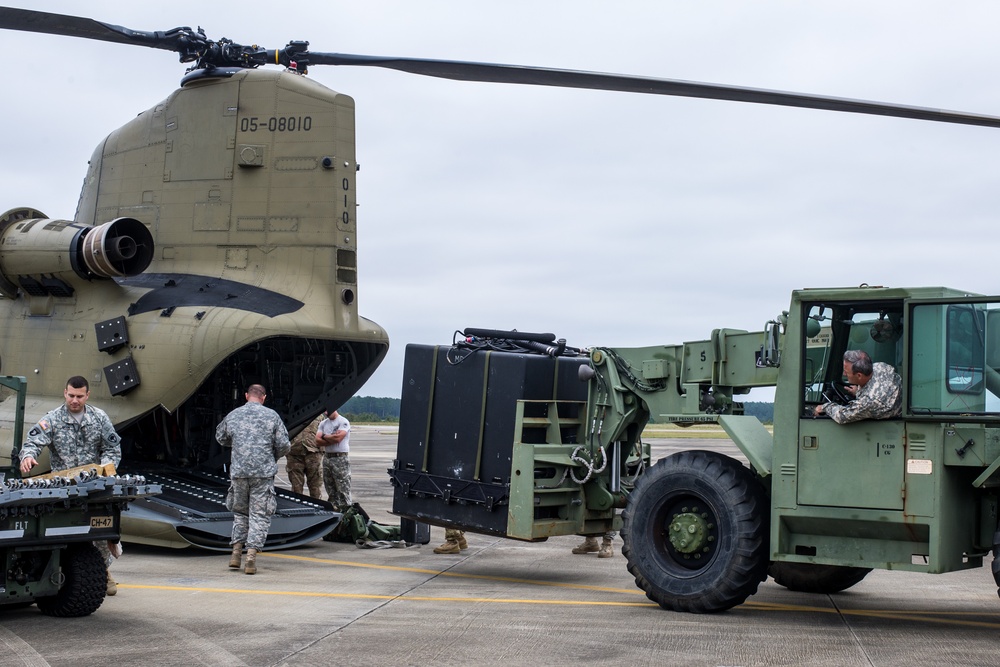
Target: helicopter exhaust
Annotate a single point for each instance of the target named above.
(39, 255)
(122, 247)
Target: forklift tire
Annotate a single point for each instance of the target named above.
(85, 586)
(996, 559)
(811, 578)
(696, 532)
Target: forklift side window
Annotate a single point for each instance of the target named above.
(954, 358)
(966, 350)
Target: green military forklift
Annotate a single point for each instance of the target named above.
(519, 435)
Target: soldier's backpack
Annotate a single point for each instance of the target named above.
(357, 527)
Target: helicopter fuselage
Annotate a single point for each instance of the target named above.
(244, 182)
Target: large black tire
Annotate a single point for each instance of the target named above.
(85, 586)
(996, 559)
(696, 532)
(811, 578)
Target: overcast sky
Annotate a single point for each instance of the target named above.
(605, 218)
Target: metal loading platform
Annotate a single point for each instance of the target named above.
(191, 511)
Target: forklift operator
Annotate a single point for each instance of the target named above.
(875, 387)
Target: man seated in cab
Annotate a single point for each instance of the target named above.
(875, 388)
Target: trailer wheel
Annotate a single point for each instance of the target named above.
(811, 578)
(85, 586)
(696, 532)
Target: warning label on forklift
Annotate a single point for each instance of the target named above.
(919, 466)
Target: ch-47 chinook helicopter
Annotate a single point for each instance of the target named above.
(215, 245)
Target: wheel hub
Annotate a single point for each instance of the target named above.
(691, 533)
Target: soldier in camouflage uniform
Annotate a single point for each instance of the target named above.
(589, 545)
(454, 542)
(334, 437)
(258, 439)
(876, 390)
(304, 462)
(76, 434)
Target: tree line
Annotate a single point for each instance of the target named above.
(384, 409)
(371, 409)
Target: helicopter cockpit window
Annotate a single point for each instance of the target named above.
(832, 330)
(955, 356)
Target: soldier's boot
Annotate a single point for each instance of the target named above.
(449, 547)
(251, 564)
(588, 546)
(234, 559)
(462, 543)
(112, 585)
(607, 551)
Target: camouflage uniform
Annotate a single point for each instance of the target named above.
(336, 465)
(304, 462)
(880, 398)
(92, 440)
(259, 439)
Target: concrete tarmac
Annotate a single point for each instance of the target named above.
(499, 602)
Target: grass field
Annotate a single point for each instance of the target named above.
(699, 431)
(674, 431)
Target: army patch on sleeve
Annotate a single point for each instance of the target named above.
(44, 424)
(34, 431)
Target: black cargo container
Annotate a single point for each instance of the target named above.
(457, 429)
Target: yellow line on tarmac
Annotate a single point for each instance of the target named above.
(926, 616)
(900, 615)
(891, 614)
(362, 596)
(327, 561)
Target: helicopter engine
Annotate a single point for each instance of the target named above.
(45, 257)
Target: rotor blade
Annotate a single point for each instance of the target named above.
(542, 76)
(29, 20)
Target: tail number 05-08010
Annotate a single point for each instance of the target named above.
(276, 124)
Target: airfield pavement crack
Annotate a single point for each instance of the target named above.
(850, 630)
(289, 659)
